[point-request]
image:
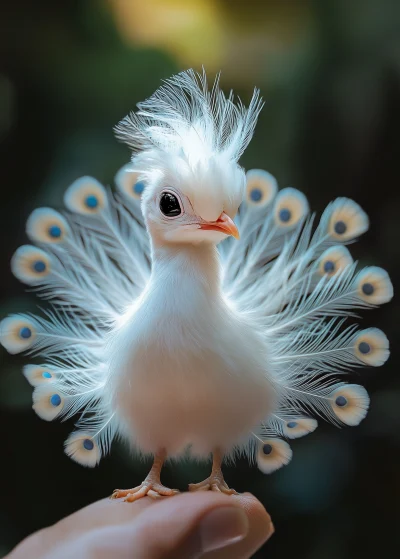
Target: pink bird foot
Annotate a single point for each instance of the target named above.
(215, 482)
(147, 487)
(151, 486)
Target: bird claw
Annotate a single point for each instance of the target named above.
(152, 489)
(213, 483)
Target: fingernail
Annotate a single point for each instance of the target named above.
(222, 527)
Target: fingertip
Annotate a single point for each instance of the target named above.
(261, 528)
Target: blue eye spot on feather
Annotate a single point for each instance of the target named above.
(88, 444)
(285, 215)
(261, 188)
(91, 201)
(350, 403)
(329, 266)
(86, 196)
(374, 285)
(341, 401)
(54, 231)
(25, 333)
(299, 427)
(272, 455)
(368, 289)
(345, 219)
(340, 227)
(291, 207)
(256, 195)
(83, 449)
(364, 348)
(372, 347)
(334, 261)
(55, 400)
(128, 183)
(267, 449)
(39, 266)
(31, 264)
(138, 188)
(37, 375)
(46, 225)
(17, 333)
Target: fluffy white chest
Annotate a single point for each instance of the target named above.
(188, 371)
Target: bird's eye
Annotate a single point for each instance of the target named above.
(169, 205)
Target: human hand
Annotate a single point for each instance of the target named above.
(185, 526)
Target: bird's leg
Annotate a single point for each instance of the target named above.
(215, 482)
(151, 486)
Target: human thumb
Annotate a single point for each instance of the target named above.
(187, 526)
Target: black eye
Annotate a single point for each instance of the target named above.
(169, 205)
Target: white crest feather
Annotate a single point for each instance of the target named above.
(184, 117)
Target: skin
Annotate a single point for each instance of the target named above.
(170, 527)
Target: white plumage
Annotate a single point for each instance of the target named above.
(173, 343)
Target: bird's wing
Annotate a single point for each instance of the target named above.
(298, 283)
(90, 263)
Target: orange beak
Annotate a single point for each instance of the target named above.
(224, 224)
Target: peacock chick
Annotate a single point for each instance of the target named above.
(169, 331)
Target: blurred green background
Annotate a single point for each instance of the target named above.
(329, 71)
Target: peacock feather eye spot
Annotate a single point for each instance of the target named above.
(368, 289)
(39, 266)
(55, 400)
(138, 187)
(341, 401)
(285, 215)
(340, 227)
(267, 449)
(364, 348)
(54, 231)
(329, 266)
(88, 444)
(256, 195)
(25, 333)
(45, 374)
(91, 201)
(292, 424)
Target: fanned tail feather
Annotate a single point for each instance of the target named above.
(91, 263)
(301, 285)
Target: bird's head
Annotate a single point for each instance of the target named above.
(187, 141)
(191, 204)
